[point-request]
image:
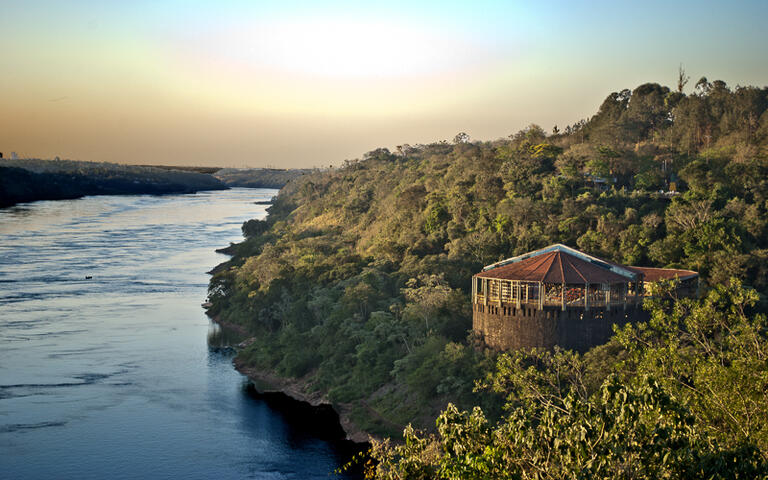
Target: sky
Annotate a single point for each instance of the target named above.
(309, 84)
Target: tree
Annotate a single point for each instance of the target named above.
(426, 296)
(682, 79)
(713, 355)
(689, 401)
(598, 167)
(461, 138)
(703, 87)
(636, 431)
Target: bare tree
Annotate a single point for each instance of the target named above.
(687, 217)
(682, 78)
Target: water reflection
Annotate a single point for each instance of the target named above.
(222, 339)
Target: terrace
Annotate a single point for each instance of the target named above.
(560, 276)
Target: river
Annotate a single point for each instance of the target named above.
(112, 376)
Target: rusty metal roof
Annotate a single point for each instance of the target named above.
(656, 274)
(559, 247)
(558, 266)
(560, 263)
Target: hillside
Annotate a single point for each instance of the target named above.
(27, 180)
(357, 282)
(259, 177)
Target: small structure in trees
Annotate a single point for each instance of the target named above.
(561, 296)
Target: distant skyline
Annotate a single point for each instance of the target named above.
(302, 84)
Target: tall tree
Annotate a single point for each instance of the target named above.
(682, 79)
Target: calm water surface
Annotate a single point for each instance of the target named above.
(112, 377)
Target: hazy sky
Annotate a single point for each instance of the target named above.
(296, 84)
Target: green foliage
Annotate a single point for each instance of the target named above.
(358, 281)
(714, 355)
(254, 228)
(436, 218)
(637, 431)
(688, 401)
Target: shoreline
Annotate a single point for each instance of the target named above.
(21, 202)
(268, 384)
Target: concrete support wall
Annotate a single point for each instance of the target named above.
(510, 328)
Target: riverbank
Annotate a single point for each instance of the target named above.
(270, 384)
(80, 179)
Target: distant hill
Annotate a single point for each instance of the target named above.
(27, 180)
(184, 168)
(259, 177)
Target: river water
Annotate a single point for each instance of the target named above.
(112, 377)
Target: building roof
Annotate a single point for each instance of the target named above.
(655, 274)
(562, 264)
(556, 264)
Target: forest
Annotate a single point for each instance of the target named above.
(27, 180)
(357, 285)
(259, 177)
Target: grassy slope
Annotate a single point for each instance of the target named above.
(259, 177)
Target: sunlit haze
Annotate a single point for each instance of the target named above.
(301, 84)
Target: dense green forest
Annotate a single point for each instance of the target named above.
(27, 180)
(357, 283)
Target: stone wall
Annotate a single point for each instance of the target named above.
(510, 328)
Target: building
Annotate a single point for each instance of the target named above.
(561, 296)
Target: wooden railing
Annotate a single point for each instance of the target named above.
(506, 293)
